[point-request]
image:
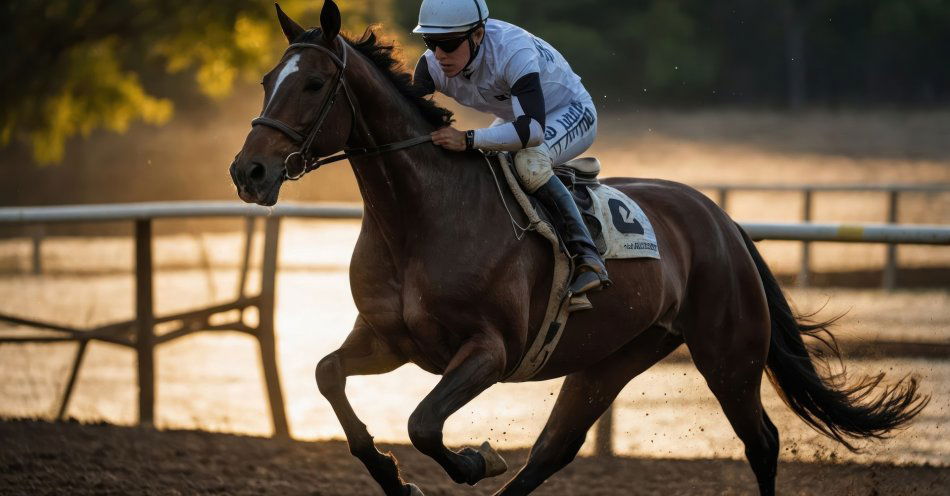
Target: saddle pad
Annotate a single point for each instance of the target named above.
(625, 227)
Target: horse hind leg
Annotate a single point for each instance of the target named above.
(734, 376)
(758, 434)
(584, 397)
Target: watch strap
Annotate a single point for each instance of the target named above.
(469, 140)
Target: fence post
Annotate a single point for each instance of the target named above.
(604, 440)
(36, 236)
(804, 273)
(723, 199)
(890, 265)
(265, 327)
(246, 261)
(144, 317)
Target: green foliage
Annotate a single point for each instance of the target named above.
(72, 66)
(675, 56)
(96, 93)
(617, 47)
(69, 67)
(738, 51)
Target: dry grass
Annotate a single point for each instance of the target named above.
(188, 159)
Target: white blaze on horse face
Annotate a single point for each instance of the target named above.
(289, 68)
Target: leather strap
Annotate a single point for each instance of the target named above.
(306, 140)
(280, 126)
(364, 152)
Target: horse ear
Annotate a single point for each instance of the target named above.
(292, 30)
(369, 36)
(330, 21)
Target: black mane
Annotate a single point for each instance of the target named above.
(382, 56)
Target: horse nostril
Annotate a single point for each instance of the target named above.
(257, 172)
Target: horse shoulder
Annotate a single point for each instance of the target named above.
(375, 282)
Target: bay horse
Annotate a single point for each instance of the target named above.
(439, 280)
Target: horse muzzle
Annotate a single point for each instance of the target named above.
(256, 182)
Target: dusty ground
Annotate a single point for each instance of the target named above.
(70, 458)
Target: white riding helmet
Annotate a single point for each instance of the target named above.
(450, 16)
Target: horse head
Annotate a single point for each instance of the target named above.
(301, 116)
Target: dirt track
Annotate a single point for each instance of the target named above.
(44, 458)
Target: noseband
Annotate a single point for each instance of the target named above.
(300, 162)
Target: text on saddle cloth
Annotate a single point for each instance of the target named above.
(625, 228)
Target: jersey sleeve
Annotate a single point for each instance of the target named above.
(522, 62)
(527, 102)
(422, 78)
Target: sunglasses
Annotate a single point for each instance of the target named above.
(448, 45)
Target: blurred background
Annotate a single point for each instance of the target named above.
(156, 96)
(149, 100)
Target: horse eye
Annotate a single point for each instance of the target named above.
(313, 85)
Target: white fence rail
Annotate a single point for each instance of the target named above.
(807, 232)
(177, 210)
(893, 192)
(850, 233)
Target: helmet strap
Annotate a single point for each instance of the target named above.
(472, 49)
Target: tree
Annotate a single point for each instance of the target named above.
(72, 66)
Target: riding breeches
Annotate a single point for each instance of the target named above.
(569, 131)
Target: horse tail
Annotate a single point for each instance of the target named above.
(827, 402)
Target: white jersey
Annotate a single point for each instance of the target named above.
(508, 53)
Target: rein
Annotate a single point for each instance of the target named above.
(300, 162)
(363, 152)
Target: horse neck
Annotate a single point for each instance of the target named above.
(415, 190)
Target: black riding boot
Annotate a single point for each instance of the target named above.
(589, 270)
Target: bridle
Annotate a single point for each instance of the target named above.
(300, 162)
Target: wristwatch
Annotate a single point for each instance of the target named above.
(469, 140)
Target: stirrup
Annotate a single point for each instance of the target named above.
(590, 273)
(579, 302)
(587, 280)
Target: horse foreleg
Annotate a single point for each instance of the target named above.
(361, 354)
(584, 397)
(478, 364)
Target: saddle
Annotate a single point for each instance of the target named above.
(618, 227)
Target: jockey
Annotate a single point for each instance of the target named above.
(543, 111)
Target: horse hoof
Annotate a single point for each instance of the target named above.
(414, 490)
(494, 463)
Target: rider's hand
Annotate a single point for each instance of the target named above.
(449, 138)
